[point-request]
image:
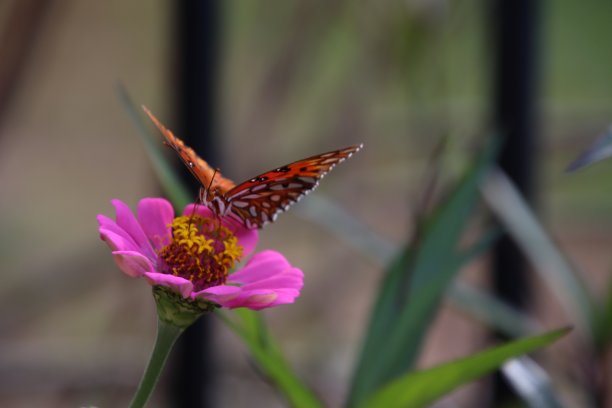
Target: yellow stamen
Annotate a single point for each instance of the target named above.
(201, 250)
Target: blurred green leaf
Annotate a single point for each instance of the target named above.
(413, 288)
(335, 219)
(269, 358)
(601, 149)
(603, 323)
(475, 302)
(491, 311)
(531, 383)
(421, 388)
(483, 306)
(480, 247)
(171, 183)
(514, 213)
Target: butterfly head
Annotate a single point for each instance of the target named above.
(213, 197)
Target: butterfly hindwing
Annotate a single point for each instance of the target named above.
(259, 200)
(256, 210)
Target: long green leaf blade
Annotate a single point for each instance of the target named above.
(491, 311)
(531, 383)
(168, 178)
(420, 389)
(413, 288)
(600, 150)
(270, 360)
(506, 203)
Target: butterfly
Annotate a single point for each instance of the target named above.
(259, 200)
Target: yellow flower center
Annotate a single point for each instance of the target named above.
(202, 250)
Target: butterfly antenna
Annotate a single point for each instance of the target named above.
(195, 204)
(212, 179)
(200, 199)
(202, 194)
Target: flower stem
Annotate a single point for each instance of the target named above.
(166, 337)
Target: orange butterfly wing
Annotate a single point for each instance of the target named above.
(259, 200)
(197, 166)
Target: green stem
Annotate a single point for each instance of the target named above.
(166, 337)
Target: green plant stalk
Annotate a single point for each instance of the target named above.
(167, 334)
(250, 326)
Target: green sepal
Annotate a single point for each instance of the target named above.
(173, 309)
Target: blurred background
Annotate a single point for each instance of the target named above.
(296, 78)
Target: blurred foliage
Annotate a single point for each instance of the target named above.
(296, 76)
(413, 288)
(421, 388)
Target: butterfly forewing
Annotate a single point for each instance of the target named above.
(198, 167)
(259, 200)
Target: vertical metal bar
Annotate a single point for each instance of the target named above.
(197, 48)
(19, 33)
(515, 40)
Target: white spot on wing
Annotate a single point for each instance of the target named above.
(308, 180)
(250, 196)
(258, 188)
(331, 160)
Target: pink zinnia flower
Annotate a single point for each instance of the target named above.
(194, 254)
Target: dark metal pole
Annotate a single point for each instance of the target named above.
(515, 46)
(19, 33)
(197, 49)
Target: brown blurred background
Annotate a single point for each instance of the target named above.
(297, 78)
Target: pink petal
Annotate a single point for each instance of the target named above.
(155, 215)
(200, 209)
(118, 240)
(132, 263)
(176, 283)
(260, 298)
(286, 296)
(267, 280)
(291, 278)
(219, 294)
(247, 238)
(233, 296)
(260, 301)
(261, 266)
(106, 222)
(127, 221)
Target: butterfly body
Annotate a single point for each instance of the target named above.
(260, 199)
